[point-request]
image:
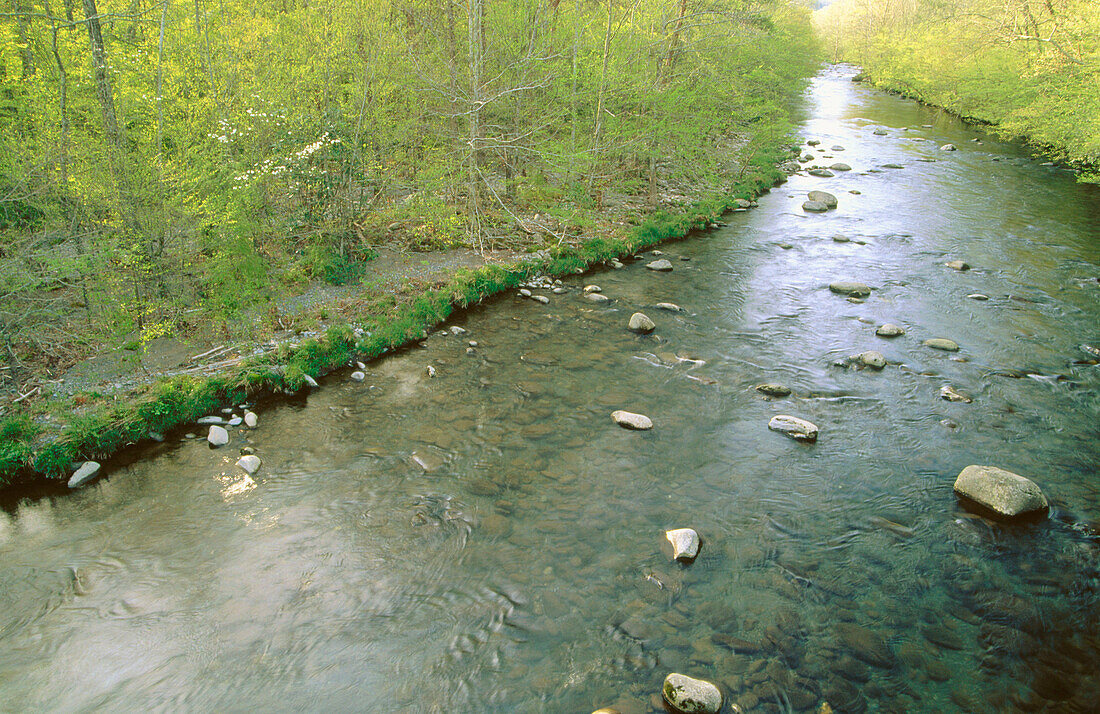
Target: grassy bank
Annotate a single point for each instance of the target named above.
(31, 449)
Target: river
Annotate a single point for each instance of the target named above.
(488, 540)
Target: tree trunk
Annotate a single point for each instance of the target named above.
(473, 206)
(102, 80)
(598, 129)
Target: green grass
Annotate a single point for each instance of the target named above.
(29, 451)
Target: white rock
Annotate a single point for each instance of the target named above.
(889, 330)
(960, 265)
(794, 427)
(1002, 492)
(217, 436)
(250, 463)
(361, 366)
(691, 696)
(630, 420)
(670, 306)
(235, 421)
(210, 420)
(310, 380)
(456, 330)
(641, 324)
(524, 292)
(661, 265)
(251, 420)
(541, 299)
(942, 343)
(950, 394)
(597, 297)
(685, 543)
(977, 296)
(559, 291)
(592, 289)
(358, 376)
(616, 264)
(87, 471)
(430, 370)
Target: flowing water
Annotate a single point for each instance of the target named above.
(487, 540)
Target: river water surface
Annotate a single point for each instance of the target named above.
(487, 540)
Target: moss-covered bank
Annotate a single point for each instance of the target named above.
(31, 451)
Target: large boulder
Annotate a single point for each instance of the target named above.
(688, 695)
(1004, 493)
(87, 471)
(823, 197)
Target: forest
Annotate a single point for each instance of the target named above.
(177, 168)
(1032, 69)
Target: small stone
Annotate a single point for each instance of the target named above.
(360, 365)
(630, 420)
(839, 166)
(774, 390)
(524, 292)
(851, 289)
(840, 239)
(685, 543)
(948, 392)
(837, 147)
(855, 192)
(880, 132)
(617, 265)
(872, 359)
(941, 343)
(358, 376)
(473, 343)
(814, 207)
(889, 330)
(592, 289)
(948, 147)
(251, 420)
(559, 291)
(235, 421)
(542, 299)
(865, 645)
(892, 166)
(977, 296)
(607, 710)
(661, 265)
(217, 436)
(813, 142)
(958, 265)
(796, 428)
(691, 696)
(87, 471)
(821, 173)
(250, 463)
(669, 306)
(207, 420)
(456, 330)
(1002, 492)
(471, 351)
(597, 297)
(641, 324)
(156, 436)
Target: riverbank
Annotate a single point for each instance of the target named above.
(51, 441)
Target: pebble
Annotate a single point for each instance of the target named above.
(958, 265)
(691, 696)
(669, 306)
(210, 420)
(559, 291)
(541, 299)
(855, 192)
(892, 166)
(685, 543)
(597, 297)
(250, 463)
(456, 330)
(430, 371)
(948, 147)
(948, 392)
(774, 390)
(796, 428)
(235, 421)
(524, 292)
(880, 132)
(837, 147)
(251, 420)
(977, 296)
(630, 420)
(217, 436)
(641, 324)
(661, 265)
(840, 239)
(813, 142)
(865, 645)
(87, 471)
(942, 343)
(358, 376)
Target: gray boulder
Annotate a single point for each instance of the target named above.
(87, 471)
(250, 463)
(823, 197)
(890, 330)
(661, 265)
(217, 436)
(798, 429)
(691, 696)
(840, 167)
(1002, 492)
(641, 324)
(814, 207)
(942, 343)
(630, 420)
(850, 288)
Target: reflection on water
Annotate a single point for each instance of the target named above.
(488, 540)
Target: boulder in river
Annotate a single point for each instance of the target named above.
(814, 207)
(950, 394)
(958, 265)
(685, 543)
(948, 147)
(641, 324)
(250, 463)
(872, 359)
(662, 265)
(866, 645)
(839, 166)
(774, 390)
(942, 343)
(977, 296)
(823, 197)
(630, 420)
(796, 428)
(1004, 493)
(217, 436)
(592, 289)
(890, 330)
(821, 173)
(691, 696)
(597, 297)
(87, 471)
(850, 288)
(669, 307)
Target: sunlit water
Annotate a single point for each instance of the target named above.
(488, 540)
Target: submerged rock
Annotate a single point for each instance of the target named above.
(889, 330)
(948, 147)
(839, 166)
(641, 324)
(691, 696)
(958, 265)
(597, 297)
(823, 197)
(892, 166)
(880, 132)
(87, 471)
(662, 265)
(250, 463)
(948, 392)
(814, 207)
(685, 543)
(630, 420)
(851, 289)
(774, 390)
(942, 343)
(796, 428)
(1002, 492)
(217, 436)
